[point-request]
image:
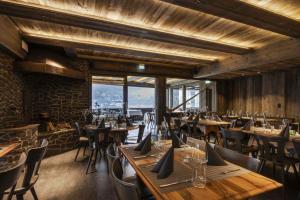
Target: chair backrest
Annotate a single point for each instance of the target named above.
(78, 130)
(266, 147)
(236, 136)
(111, 156)
(296, 143)
(125, 191)
(9, 177)
(33, 162)
(237, 158)
(141, 133)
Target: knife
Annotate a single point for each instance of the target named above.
(145, 156)
(229, 171)
(175, 183)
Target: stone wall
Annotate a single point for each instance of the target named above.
(60, 141)
(11, 93)
(63, 98)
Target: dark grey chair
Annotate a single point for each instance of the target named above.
(83, 141)
(124, 190)
(234, 157)
(9, 177)
(111, 156)
(236, 141)
(31, 174)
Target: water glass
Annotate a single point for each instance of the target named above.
(199, 175)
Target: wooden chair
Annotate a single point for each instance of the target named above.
(31, 174)
(83, 141)
(236, 141)
(276, 156)
(93, 146)
(234, 157)
(111, 156)
(104, 139)
(9, 177)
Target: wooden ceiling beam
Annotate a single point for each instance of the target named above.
(266, 56)
(10, 38)
(245, 13)
(29, 11)
(110, 49)
(127, 69)
(131, 60)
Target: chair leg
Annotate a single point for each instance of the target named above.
(262, 165)
(34, 193)
(78, 150)
(274, 169)
(283, 181)
(90, 160)
(85, 146)
(295, 171)
(11, 193)
(20, 197)
(96, 155)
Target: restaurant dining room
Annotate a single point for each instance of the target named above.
(150, 99)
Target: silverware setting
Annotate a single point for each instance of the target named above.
(144, 156)
(175, 183)
(229, 171)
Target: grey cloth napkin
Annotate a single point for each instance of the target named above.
(165, 165)
(285, 132)
(175, 141)
(102, 124)
(213, 158)
(145, 145)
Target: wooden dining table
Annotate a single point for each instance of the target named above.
(241, 186)
(7, 148)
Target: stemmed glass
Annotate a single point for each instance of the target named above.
(199, 165)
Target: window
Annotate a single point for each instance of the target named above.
(177, 96)
(107, 96)
(140, 97)
(190, 92)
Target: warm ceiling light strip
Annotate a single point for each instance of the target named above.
(178, 33)
(73, 40)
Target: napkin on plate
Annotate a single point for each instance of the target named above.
(175, 141)
(145, 145)
(213, 158)
(247, 125)
(165, 165)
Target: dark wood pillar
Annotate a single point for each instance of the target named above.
(125, 96)
(171, 97)
(184, 97)
(160, 99)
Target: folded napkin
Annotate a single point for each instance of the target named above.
(175, 141)
(197, 118)
(128, 123)
(165, 165)
(285, 132)
(145, 145)
(247, 125)
(102, 124)
(213, 158)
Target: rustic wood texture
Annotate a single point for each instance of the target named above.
(274, 93)
(236, 187)
(266, 56)
(261, 18)
(98, 24)
(45, 68)
(160, 99)
(10, 39)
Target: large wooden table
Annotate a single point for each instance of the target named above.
(263, 132)
(7, 148)
(235, 187)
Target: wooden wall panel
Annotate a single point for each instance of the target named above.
(276, 93)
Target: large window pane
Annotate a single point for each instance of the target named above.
(177, 96)
(190, 92)
(107, 96)
(140, 97)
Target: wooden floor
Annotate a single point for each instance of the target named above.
(63, 179)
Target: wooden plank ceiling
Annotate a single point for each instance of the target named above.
(184, 34)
